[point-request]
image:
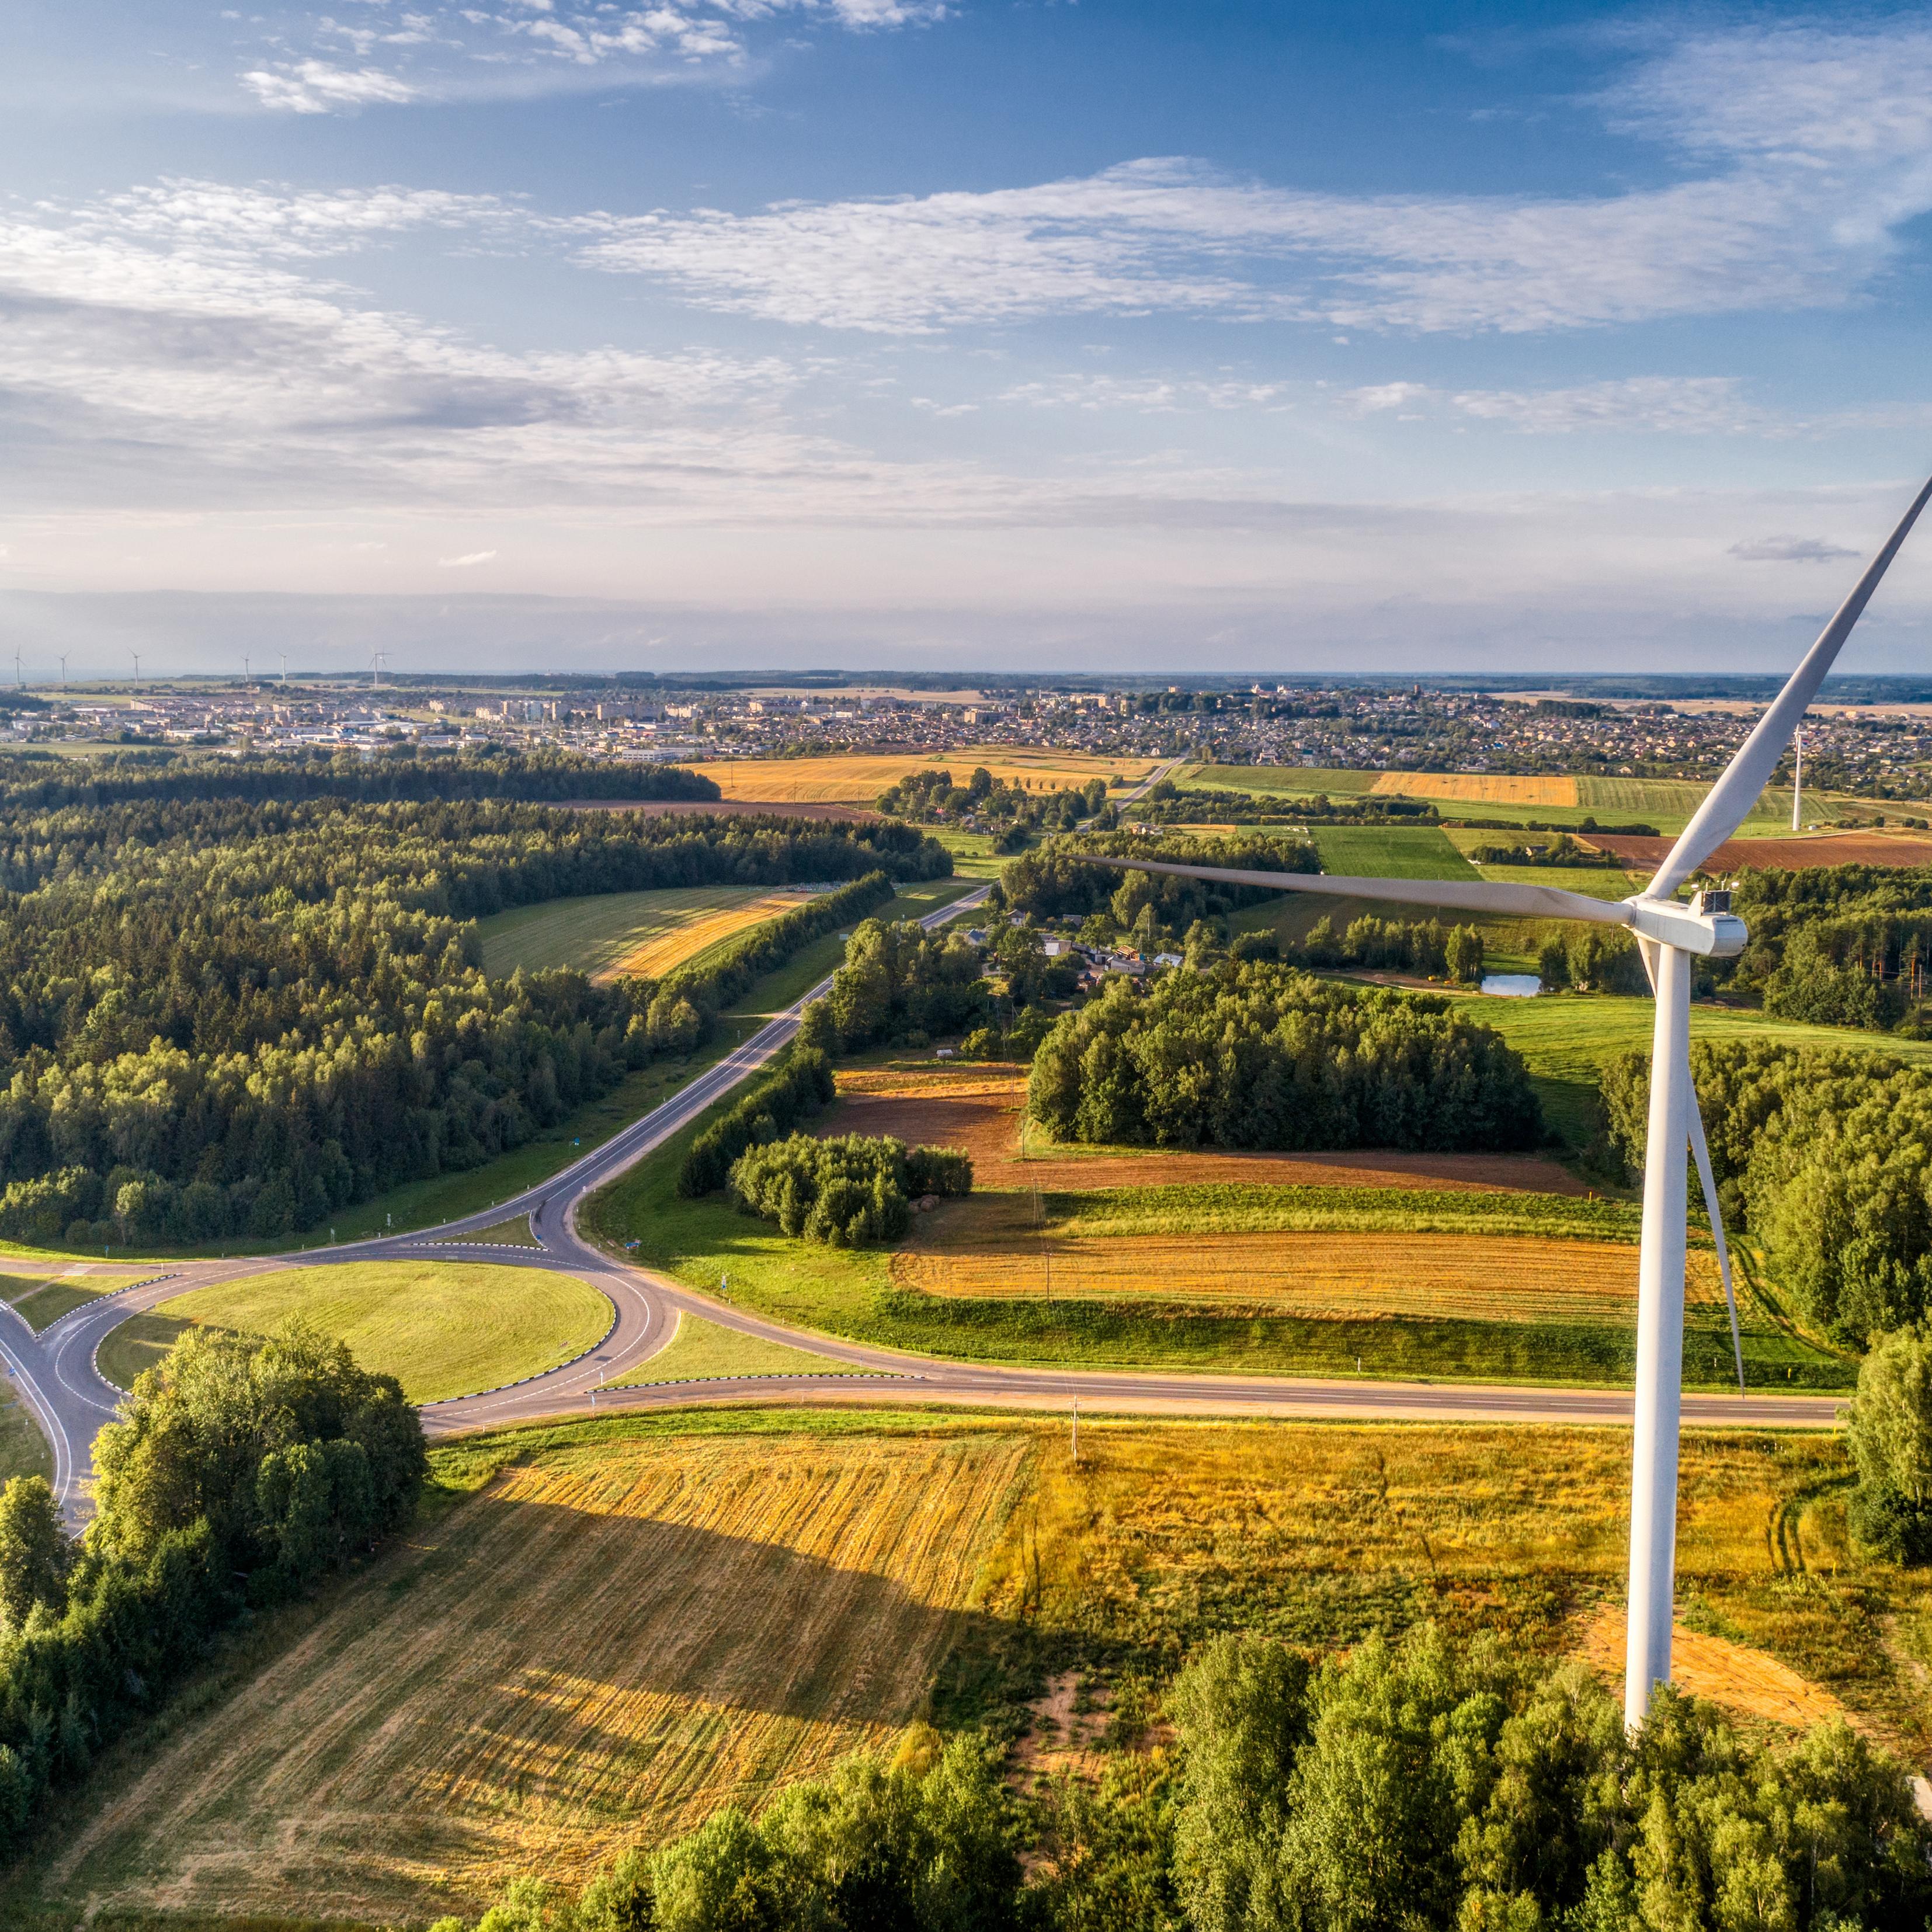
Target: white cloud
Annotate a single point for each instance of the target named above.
(1791, 550)
(1813, 148)
(445, 51)
(315, 87)
(1154, 395)
(468, 561)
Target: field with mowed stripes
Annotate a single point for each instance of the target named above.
(613, 1640)
(607, 933)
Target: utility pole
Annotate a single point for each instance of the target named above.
(1076, 1431)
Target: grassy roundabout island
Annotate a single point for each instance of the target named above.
(441, 1328)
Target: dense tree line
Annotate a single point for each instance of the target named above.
(849, 1191)
(464, 859)
(1053, 882)
(1249, 1054)
(1825, 1158)
(243, 1469)
(1409, 1787)
(1836, 945)
(802, 1084)
(223, 1018)
(1164, 803)
(157, 777)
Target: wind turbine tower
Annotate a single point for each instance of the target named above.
(1797, 773)
(1672, 934)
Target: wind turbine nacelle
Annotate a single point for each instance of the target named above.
(1706, 926)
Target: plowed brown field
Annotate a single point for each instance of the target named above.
(1834, 848)
(1440, 1277)
(599, 1649)
(1478, 788)
(978, 1108)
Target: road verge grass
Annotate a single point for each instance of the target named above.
(442, 1328)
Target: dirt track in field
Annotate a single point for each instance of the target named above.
(1847, 848)
(598, 1650)
(978, 1110)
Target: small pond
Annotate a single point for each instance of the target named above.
(1513, 985)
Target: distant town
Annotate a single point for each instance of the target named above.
(1878, 747)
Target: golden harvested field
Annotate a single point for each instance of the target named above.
(978, 1108)
(1478, 788)
(859, 780)
(606, 1644)
(1457, 1277)
(657, 956)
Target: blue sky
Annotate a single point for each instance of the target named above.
(535, 333)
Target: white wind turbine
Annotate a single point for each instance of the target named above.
(1670, 932)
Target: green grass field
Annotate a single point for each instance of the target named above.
(514, 1233)
(1390, 852)
(1268, 781)
(593, 933)
(1567, 1038)
(23, 1449)
(45, 1306)
(701, 1350)
(441, 1328)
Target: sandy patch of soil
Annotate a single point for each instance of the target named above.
(1728, 1674)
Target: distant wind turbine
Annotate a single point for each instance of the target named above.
(375, 669)
(63, 670)
(1670, 934)
(285, 667)
(136, 656)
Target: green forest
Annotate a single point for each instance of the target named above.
(1246, 1053)
(223, 1016)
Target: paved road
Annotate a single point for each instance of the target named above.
(55, 1372)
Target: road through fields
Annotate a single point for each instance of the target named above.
(55, 1370)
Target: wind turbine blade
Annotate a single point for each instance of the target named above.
(1701, 1153)
(1477, 895)
(1728, 803)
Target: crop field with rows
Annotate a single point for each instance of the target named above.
(1479, 788)
(609, 1642)
(1420, 1277)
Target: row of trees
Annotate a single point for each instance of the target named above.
(1054, 882)
(242, 1469)
(1250, 1054)
(1406, 1787)
(222, 1018)
(126, 777)
(851, 1191)
(802, 1084)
